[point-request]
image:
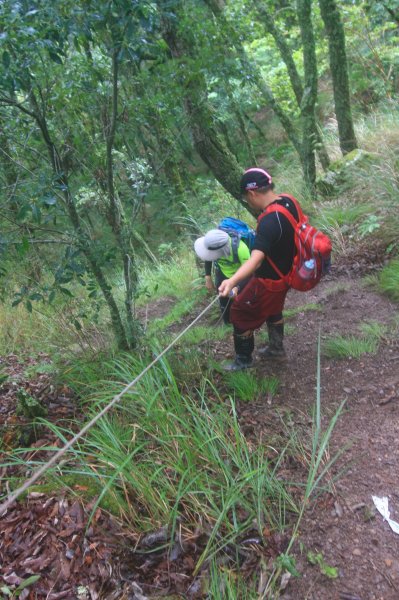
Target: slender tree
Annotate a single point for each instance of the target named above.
(266, 16)
(339, 72)
(231, 38)
(309, 96)
(204, 126)
(61, 182)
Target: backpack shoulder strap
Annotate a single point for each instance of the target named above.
(277, 208)
(235, 241)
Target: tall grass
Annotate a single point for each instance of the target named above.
(354, 346)
(249, 388)
(319, 463)
(180, 460)
(388, 281)
(165, 457)
(176, 276)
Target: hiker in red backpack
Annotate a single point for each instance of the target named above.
(275, 253)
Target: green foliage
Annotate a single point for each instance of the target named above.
(28, 406)
(203, 333)
(372, 52)
(16, 591)
(225, 584)
(176, 277)
(354, 346)
(318, 559)
(187, 458)
(249, 388)
(349, 347)
(369, 225)
(3, 376)
(388, 280)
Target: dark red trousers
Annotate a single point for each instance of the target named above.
(257, 303)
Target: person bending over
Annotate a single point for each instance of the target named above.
(215, 248)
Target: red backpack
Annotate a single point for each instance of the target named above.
(313, 249)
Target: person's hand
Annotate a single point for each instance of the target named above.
(234, 292)
(209, 283)
(225, 288)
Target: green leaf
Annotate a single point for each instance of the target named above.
(51, 296)
(23, 211)
(16, 302)
(36, 213)
(318, 559)
(287, 562)
(32, 579)
(55, 57)
(6, 59)
(66, 292)
(331, 572)
(29, 306)
(77, 325)
(23, 247)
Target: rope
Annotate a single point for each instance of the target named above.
(115, 400)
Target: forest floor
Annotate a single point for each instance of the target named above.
(46, 533)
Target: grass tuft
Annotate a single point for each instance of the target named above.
(388, 281)
(248, 388)
(353, 346)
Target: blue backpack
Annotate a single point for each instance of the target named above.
(237, 230)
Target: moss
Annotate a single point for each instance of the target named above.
(84, 487)
(28, 406)
(341, 171)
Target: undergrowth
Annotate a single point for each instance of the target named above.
(354, 346)
(173, 454)
(248, 388)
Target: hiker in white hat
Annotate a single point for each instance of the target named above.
(226, 255)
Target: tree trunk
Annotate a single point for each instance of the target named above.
(9, 170)
(240, 119)
(229, 34)
(339, 73)
(295, 79)
(207, 140)
(120, 228)
(308, 102)
(84, 243)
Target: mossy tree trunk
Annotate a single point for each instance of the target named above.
(267, 19)
(231, 39)
(236, 108)
(309, 97)
(204, 126)
(339, 73)
(116, 218)
(83, 242)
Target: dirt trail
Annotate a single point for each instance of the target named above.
(343, 526)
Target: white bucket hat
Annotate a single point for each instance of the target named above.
(213, 245)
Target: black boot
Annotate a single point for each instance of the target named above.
(243, 346)
(275, 349)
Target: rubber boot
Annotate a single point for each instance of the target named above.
(243, 346)
(275, 349)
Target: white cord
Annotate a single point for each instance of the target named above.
(115, 400)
